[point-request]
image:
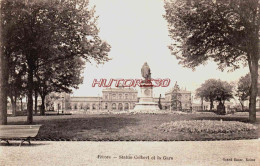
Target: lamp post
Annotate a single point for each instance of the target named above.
(191, 101)
(63, 104)
(99, 102)
(110, 95)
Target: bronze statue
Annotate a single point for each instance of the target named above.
(146, 72)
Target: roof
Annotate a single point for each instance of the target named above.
(120, 89)
(84, 98)
(159, 97)
(180, 91)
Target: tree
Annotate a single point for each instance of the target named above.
(223, 91)
(215, 90)
(48, 32)
(59, 77)
(243, 89)
(224, 31)
(176, 98)
(207, 91)
(3, 83)
(16, 82)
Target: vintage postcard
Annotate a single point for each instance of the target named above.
(129, 82)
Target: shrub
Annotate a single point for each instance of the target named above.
(178, 112)
(187, 110)
(245, 110)
(238, 108)
(207, 126)
(206, 110)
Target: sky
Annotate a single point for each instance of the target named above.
(138, 33)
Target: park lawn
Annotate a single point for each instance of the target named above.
(127, 127)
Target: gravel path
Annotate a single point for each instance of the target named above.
(131, 153)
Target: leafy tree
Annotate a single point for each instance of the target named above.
(15, 85)
(207, 91)
(59, 77)
(224, 31)
(215, 90)
(223, 91)
(3, 84)
(47, 32)
(8, 49)
(243, 89)
(16, 80)
(176, 98)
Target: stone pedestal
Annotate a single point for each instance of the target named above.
(146, 103)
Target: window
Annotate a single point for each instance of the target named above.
(126, 106)
(105, 105)
(114, 96)
(120, 106)
(114, 106)
(93, 106)
(126, 96)
(120, 96)
(106, 97)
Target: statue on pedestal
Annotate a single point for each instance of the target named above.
(146, 72)
(146, 102)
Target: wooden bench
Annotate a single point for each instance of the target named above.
(22, 132)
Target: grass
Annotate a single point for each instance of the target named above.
(138, 127)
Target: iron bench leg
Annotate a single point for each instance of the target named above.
(27, 140)
(6, 140)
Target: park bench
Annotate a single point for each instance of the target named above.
(21, 132)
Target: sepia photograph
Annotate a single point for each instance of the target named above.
(129, 82)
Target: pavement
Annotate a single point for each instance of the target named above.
(236, 152)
